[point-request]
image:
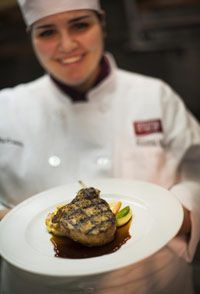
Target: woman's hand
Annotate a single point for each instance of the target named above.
(4, 212)
(186, 225)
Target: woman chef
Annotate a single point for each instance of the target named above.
(85, 118)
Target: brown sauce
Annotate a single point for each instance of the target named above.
(67, 248)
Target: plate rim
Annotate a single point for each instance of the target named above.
(96, 183)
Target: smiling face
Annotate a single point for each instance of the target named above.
(69, 46)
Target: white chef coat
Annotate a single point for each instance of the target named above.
(131, 127)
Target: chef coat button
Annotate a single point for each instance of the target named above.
(103, 162)
(54, 161)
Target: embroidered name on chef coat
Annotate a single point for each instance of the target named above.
(11, 142)
(148, 127)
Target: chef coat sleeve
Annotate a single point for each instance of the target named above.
(183, 142)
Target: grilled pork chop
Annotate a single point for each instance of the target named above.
(87, 219)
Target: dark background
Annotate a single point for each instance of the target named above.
(155, 39)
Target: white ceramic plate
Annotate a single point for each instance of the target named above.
(25, 242)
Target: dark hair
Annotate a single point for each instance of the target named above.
(99, 15)
(101, 19)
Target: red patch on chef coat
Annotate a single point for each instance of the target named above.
(147, 127)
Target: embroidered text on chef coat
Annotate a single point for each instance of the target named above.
(11, 141)
(148, 132)
(147, 127)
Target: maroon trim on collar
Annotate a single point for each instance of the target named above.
(77, 96)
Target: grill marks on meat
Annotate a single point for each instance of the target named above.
(87, 219)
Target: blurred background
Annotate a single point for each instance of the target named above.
(159, 38)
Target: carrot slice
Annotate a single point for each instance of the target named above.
(115, 206)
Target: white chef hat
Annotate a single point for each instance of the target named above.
(33, 10)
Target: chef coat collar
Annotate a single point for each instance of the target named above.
(77, 96)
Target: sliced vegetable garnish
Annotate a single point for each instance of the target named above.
(123, 216)
(115, 206)
(123, 212)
